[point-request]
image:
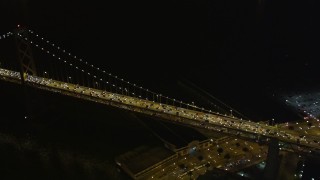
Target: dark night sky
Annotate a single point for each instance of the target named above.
(229, 42)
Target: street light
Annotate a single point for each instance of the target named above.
(272, 121)
(231, 111)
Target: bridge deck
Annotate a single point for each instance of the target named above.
(175, 114)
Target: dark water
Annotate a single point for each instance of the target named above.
(63, 137)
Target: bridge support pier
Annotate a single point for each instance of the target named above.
(273, 160)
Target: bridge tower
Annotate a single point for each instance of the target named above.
(27, 67)
(25, 57)
(273, 160)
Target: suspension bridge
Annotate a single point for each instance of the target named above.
(62, 72)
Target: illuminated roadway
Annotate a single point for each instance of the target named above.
(211, 121)
(240, 159)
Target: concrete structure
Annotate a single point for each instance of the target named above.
(140, 161)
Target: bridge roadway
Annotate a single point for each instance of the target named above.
(211, 121)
